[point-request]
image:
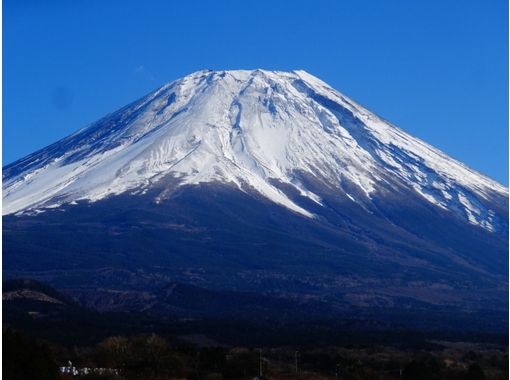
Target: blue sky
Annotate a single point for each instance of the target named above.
(438, 69)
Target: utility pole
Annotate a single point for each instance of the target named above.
(198, 364)
(296, 360)
(260, 363)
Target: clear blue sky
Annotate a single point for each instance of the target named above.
(438, 69)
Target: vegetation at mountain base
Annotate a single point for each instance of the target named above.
(47, 335)
(152, 357)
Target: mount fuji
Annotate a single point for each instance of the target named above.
(262, 181)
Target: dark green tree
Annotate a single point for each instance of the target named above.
(422, 370)
(475, 372)
(26, 359)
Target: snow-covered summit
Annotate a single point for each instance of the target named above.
(256, 130)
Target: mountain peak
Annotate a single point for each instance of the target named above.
(271, 133)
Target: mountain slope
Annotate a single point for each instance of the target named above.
(260, 182)
(249, 128)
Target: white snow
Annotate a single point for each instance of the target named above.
(246, 128)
